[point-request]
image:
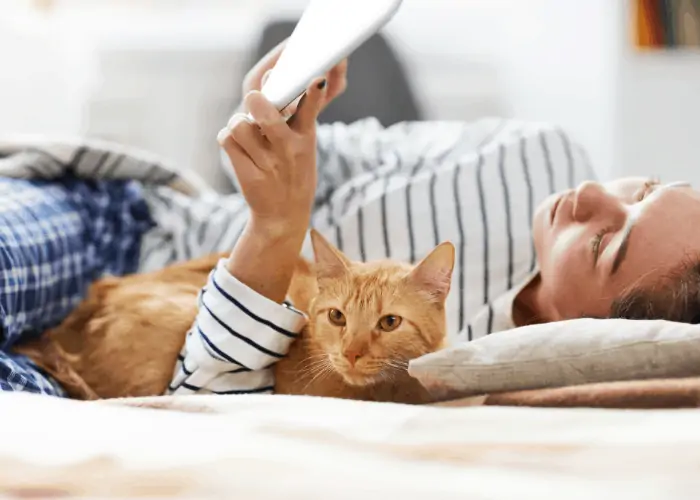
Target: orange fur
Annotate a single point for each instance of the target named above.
(123, 340)
(364, 293)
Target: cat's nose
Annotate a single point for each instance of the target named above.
(352, 355)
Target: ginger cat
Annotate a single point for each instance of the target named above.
(366, 321)
(124, 337)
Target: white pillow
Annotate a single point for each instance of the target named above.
(560, 354)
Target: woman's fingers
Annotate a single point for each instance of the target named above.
(293, 106)
(337, 83)
(271, 138)
(243, 165)
(271, 122)
(249, 138)
(292, 114)
(310, 106)
(337, 80)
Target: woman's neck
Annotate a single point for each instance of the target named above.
(529, 308)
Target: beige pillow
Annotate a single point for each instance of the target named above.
(559, 354)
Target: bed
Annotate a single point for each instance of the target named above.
(259, 447)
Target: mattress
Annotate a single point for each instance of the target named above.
(265, 447)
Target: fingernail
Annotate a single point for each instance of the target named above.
(235, 120)
(322, 85)
(223, 135)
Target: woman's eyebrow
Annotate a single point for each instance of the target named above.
(622, 249)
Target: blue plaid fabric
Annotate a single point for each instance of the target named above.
(18, 373)
(56, 238)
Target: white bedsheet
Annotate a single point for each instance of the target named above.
(250, 447)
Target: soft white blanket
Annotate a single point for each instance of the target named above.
(265, 447)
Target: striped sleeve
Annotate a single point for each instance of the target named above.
(236, 338)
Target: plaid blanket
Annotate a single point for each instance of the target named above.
(69, 214)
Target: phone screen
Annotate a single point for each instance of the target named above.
(328, 31)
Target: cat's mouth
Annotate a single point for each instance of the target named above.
(354, 377)
(364, 375)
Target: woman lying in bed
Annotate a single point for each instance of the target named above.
(536, 239)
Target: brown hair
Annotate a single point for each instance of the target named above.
(676, 298)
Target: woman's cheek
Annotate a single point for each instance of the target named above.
(566, 250)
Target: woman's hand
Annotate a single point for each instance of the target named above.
(336, 78)
(275, 163)
(275, 160)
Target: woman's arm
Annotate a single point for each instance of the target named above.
(242, 327)
(276, 166)
(237, 335)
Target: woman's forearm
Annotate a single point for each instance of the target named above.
(264, 258)
(275, 164)
(240, 316)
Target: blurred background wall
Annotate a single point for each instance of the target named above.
(164, 74)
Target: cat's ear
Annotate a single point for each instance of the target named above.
(434, 273)
(330, 262)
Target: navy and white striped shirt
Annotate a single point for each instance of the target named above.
(237, 337)
(383, 193)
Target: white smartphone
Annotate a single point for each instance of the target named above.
(328, 32)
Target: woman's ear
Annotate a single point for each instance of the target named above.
(330, 262)
(434, 273)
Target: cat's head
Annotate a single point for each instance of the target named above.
(370, 319)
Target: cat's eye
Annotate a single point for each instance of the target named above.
(389, 323)
(336, 317)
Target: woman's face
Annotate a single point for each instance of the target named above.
(596, 242)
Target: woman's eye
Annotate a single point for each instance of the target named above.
(597, 243)
(389, 323)
(336, 317)
(647, 189)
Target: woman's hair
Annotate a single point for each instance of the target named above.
(675, 298)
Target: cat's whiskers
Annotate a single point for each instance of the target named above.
(397, 356)
(309, 361)
(313, 367)
(397, 362)
(315, 358)
(340, 357)
(394, 367)
(321, 371)
(316, 353)
(391, 369)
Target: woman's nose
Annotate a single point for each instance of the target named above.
(592, 200)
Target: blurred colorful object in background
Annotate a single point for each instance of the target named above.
(666, 23)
